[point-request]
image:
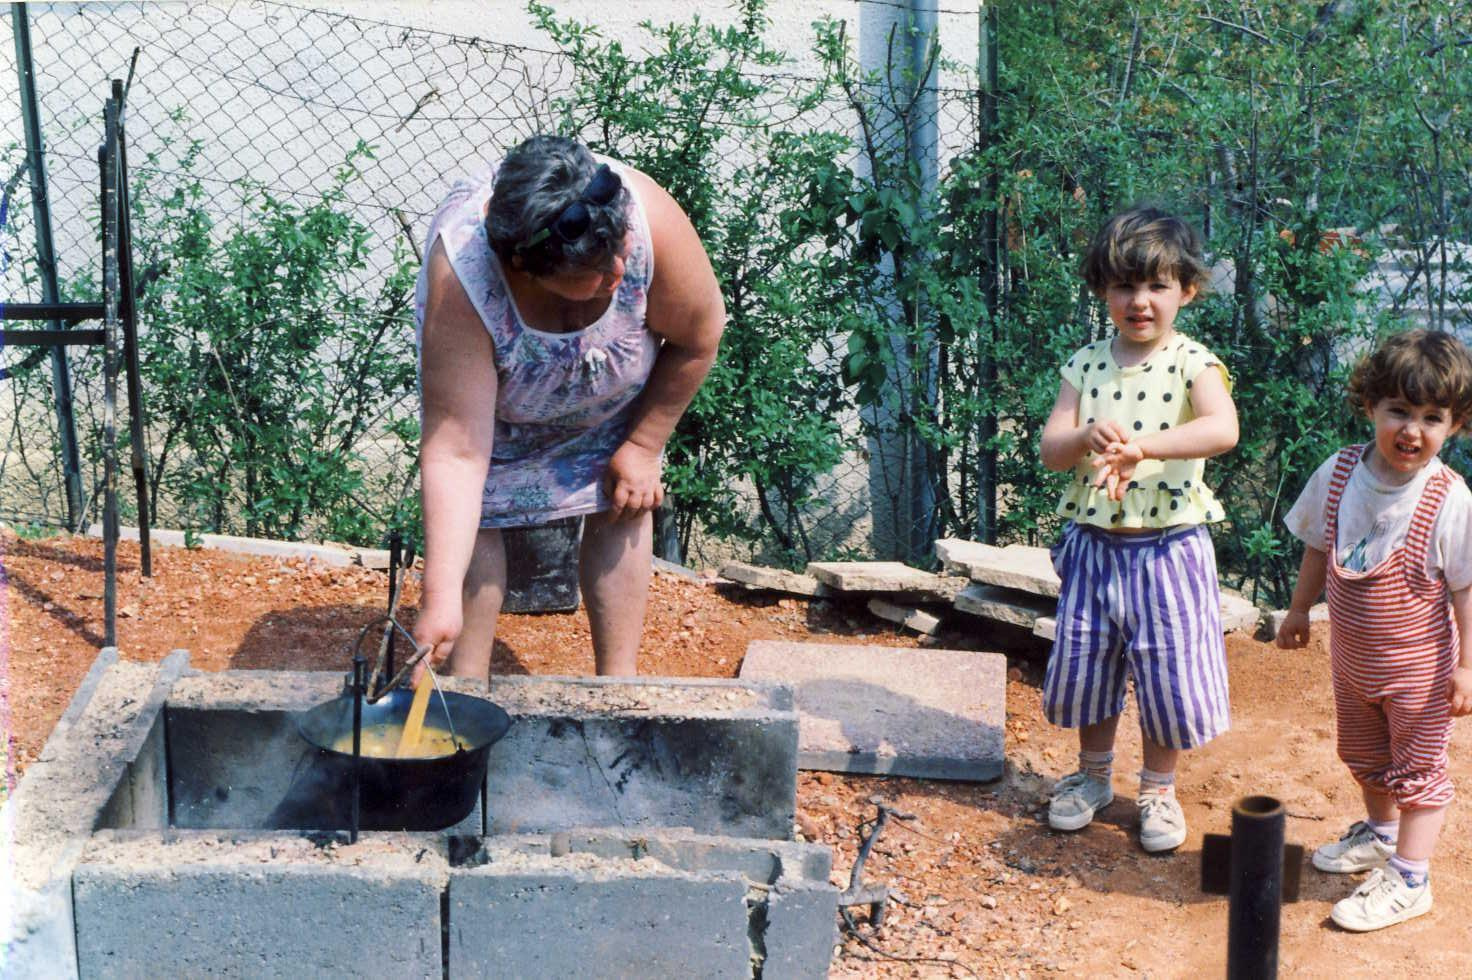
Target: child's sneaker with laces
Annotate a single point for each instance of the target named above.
(1076, 798)
(1360, 849)
(1384, 899)
(1162, 823)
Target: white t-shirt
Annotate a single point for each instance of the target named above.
(1374, 517)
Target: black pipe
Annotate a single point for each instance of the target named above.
(358, 665)
(1256, 888)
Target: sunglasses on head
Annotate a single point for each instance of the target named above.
(575, 219)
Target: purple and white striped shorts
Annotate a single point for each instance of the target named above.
(1145, 606)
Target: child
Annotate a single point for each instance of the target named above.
(1137, 415)
(1396, 520)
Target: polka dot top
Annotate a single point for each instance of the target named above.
(1148, 397)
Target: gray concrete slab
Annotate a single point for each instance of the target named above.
(208, 904)
(927, 713)
(581, 915)
(1238, 613)
(1017, 566)
(774, 579)
(885, 576)
(1004, 605)
(907, 616)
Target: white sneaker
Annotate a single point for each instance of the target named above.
(1162, 823)
(1076, 799)
(1360, 849)
(1383, 900)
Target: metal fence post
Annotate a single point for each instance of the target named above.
(46, 263)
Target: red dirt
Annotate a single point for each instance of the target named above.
(980, 879)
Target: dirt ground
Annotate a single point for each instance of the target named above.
(982, 886)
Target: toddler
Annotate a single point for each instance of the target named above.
(1386, 526)
(1137, 415)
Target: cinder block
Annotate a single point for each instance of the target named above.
(580, 915)
(263, 906)
(801, 930)
(63, 796)
(718, 756)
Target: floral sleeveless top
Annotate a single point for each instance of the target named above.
(564, 401)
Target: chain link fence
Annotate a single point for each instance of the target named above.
(243, 109)
(235, 101)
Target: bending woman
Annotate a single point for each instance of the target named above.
(566, 315)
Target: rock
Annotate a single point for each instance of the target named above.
(773, 579)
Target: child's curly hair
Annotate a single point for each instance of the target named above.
(1141, 244)
(1425, 367)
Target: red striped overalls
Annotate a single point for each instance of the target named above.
(1393, 646)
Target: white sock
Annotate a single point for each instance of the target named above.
(1389, 830)
(1151, 780)
(1097, 765)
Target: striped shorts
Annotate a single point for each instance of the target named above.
(1141, 606)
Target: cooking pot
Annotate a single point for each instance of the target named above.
(429, 793)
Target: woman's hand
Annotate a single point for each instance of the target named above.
(633, 481)
(437, 627)
(1116, 464)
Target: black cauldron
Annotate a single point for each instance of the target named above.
(395, 794)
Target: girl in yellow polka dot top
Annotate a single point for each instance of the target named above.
(1136, 417)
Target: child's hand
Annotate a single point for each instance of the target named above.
(1293, 634)
(1459, 691)
(1102, 434)
(1116, 464)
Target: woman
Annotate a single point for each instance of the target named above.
(567, 313)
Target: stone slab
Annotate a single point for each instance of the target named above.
(928, 713)
(1045, 628)
(907, 616)
(580, 915)
(1017, 566)
(885, 576)
(774, 579)
(327, 554)
(542, 567)
(1238, 613)
(956, 555)
(1004, 605)
(258, 906)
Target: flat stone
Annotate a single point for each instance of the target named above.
(1017, 566)
(885, 576)
(929, 713)
(956, 555)
(1004, 605)
(916, 619)
(773, 579)
(1046, 627)
(1238, 613)
(327, 554)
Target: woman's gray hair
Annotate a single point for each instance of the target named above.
(536, 181)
